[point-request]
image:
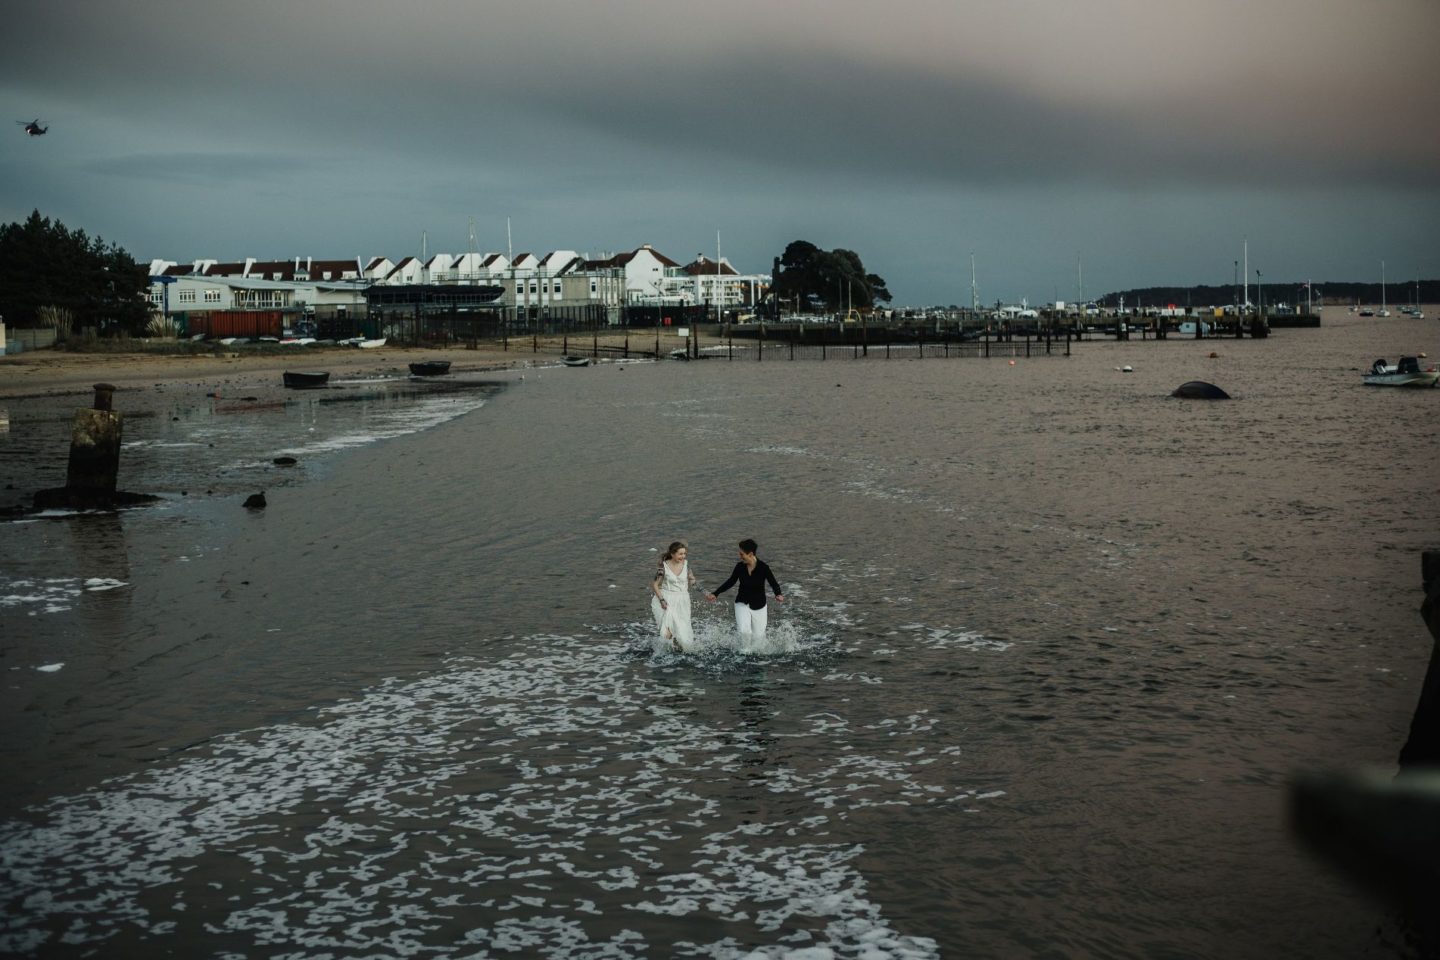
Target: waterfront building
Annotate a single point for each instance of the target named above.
(559, 283)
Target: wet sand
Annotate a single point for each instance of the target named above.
(57, 372)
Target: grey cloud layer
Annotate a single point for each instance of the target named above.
(599, 123)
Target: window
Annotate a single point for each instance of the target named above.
(534, 287)
(557, 288)
(187, 296)
(593, 288)
(156, 297)
(212, 296)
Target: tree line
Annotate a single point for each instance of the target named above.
(1283, 291)
(51, 275)
(807, 279)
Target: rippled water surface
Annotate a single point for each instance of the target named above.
(1053, 644)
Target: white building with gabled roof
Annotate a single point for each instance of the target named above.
(643, 270)
(408, 271)
(377, 269)
(439, 269)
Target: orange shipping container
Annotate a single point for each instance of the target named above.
(237, 323)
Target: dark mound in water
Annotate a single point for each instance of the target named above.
(1200, 390)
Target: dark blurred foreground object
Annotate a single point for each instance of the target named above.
(1423, 747)
(1383, 831)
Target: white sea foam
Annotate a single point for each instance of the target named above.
(160, 444)
(716, 637)
(493, 805)
(951, 638)
(50, 594)
(779, 448)
(394, 421)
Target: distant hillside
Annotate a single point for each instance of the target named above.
(1284, 292)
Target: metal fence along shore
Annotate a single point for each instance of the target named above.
(779, 343)
(693, 338)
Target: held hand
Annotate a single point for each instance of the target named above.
(710, 597)
(779, 598)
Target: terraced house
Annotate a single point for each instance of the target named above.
(532, 285)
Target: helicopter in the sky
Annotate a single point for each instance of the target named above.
(33, 127)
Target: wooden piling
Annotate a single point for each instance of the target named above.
(95, 447)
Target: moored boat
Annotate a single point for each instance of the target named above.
(575, 361)
(306, 380)
(430, 368)
(1406, 373)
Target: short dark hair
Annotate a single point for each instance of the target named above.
(748, 545)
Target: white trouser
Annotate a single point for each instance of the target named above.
(751, 623)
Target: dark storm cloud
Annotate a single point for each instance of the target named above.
(201, 169)
(450, 76)
(885, 121)
(630, 121)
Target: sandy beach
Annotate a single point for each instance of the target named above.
(60, 372)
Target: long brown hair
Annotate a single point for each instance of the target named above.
(673, 549)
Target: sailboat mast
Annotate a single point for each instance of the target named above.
(717, 276)
(1245, 300)
(974, 303)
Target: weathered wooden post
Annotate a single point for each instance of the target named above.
(95, 448)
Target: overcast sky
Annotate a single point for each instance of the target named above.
(1144, 139)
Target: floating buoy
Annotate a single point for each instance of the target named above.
(1012, 363)
(1214, 355)
(1127, 369)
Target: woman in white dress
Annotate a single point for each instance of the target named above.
(671, 603)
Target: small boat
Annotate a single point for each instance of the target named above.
(679, 354)
(430, 368)
(371, 344)
(305, 380)
(575, 361)
(1406, 373)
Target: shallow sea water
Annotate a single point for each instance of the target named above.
(1053, 644)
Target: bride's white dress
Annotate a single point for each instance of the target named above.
(674, 622)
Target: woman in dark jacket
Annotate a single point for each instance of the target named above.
(751, 573)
